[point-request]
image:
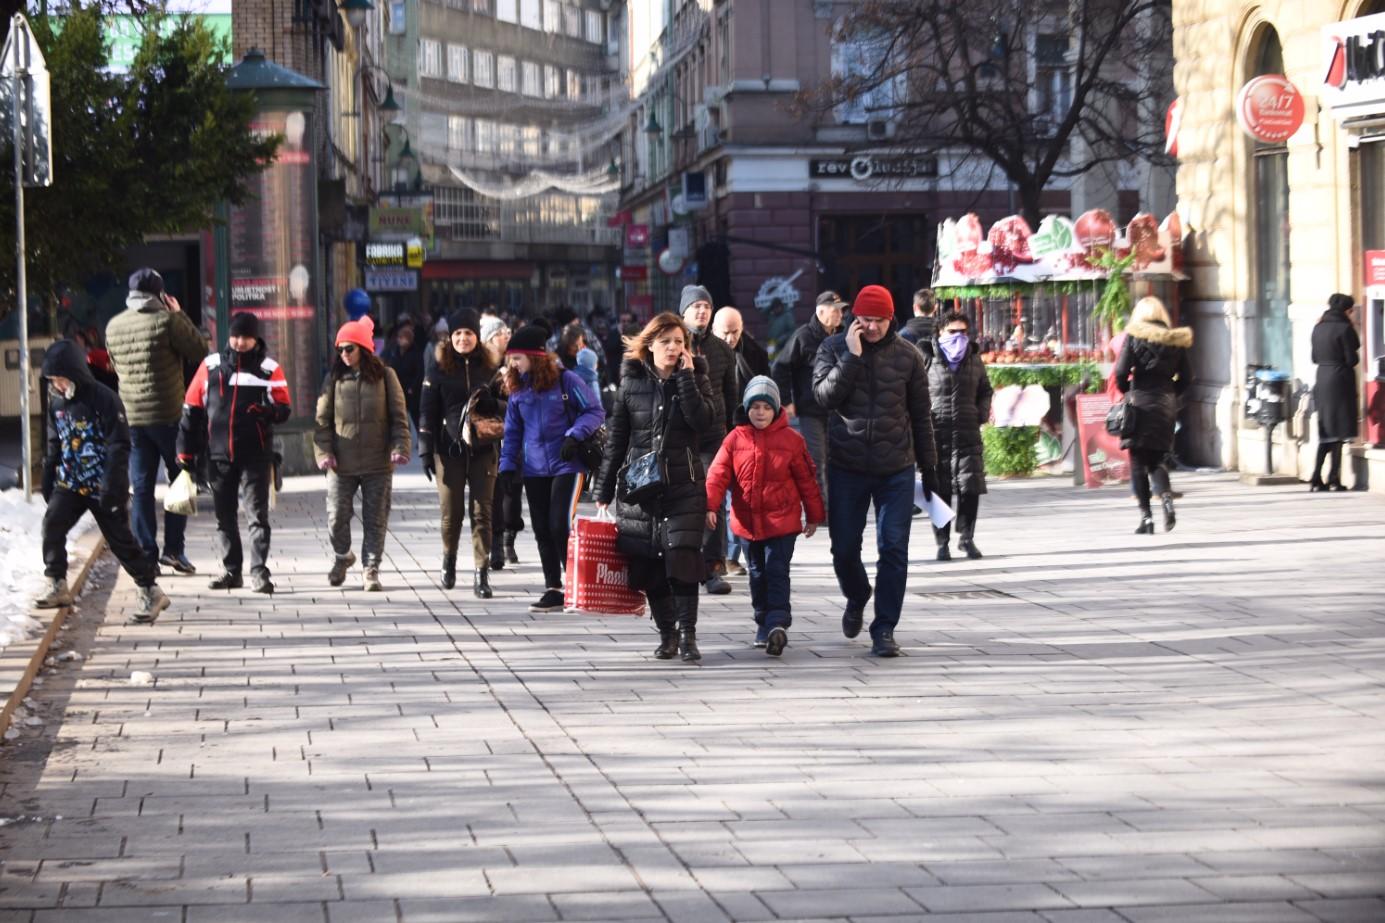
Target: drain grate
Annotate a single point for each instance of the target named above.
(965, 594)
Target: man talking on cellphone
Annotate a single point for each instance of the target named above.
(874, 386)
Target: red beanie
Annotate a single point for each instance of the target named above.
(873, 301)
(361, 332)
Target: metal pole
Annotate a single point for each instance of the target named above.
(21, 282)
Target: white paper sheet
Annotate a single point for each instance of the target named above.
(938, 511)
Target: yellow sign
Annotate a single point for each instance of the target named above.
(413, 254)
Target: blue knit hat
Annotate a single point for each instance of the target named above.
(761, 388)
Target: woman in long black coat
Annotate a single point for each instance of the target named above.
(1153, 371)
(1336, 350)
(664, 402)
(961, 393)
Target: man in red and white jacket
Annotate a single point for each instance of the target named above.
(229, 413)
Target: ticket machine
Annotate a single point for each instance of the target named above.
(1373, 347)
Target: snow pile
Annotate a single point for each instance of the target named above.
(21, 562)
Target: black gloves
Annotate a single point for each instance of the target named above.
(929, 477)
(429, 466)
(570, 449)
(504, 480)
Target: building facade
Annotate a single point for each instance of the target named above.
(1277, 223)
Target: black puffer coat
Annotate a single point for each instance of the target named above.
(1336, 350)
(883, 421)
(642, 405)
(1153, 369)
(961, 403)
(721, 374)
(445, 396)
(793, 368)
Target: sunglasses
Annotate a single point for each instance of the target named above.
(347, 349)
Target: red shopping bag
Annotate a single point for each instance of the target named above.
(598, 576)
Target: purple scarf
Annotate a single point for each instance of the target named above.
(954, 347)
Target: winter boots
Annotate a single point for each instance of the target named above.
(337, 575)
(55, 596)
(449, 570)
(149, 602)
(666, 620)
(686, 609)
(510, 556)
(370, 580)
(481, 584)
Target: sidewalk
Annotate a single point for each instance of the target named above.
(1090, 727)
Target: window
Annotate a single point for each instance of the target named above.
(552, 16)
(481, 6)
(456, 63)
(429, 57)
(552, 82)
(505, 74)
(485, 136)
(574, 86)
(399, 23)
(459, 133)
(530, 140)
(507, 138)
(572, 21)
(530, 72)
(530, 14)
(1274, 340)
(1052, 82)
(860, 58)
(507, 10)
(483, 69)
(593, 27)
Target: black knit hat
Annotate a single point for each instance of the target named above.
(146, 280)
(245, 324)
(531, 340)
(464, 319)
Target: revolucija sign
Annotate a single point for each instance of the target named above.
(1353, 67)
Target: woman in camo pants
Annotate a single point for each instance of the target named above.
(362, 432)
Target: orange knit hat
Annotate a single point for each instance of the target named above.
(361, 332)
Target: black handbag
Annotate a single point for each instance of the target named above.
(592, 450)
(644, 479)
(1120, 419)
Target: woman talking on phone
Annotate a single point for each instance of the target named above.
(654, 473)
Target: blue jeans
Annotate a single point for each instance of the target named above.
(768, 562)
(850, 495)
(735, 545)
(150, 446)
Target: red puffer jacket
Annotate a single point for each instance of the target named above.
(771, 478)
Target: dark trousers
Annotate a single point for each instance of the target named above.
(768, 562)
(64, 509)
(850, 496)
(966, 509)
(507, 511)
(714, 540)
(1330, 452)
(1146, 467)
(552, 504)
(149, 447)
(231, 482)
(814, 432)
(457, 476)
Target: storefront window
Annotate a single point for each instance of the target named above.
(1371, 161)
(1274, 339)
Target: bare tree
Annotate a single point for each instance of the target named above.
(1041, 90)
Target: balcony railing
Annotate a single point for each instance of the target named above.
(547, 218)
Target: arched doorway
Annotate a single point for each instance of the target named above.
(1272, 339)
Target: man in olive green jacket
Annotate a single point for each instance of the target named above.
(149, 342)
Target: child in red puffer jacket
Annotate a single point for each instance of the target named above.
(773, 483)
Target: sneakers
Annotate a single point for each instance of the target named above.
(761, 636)
(370, 580)
(179, 563)
(261, 583)
(337, 575)
(778, 639)
(149, 602)
(55, 596)
(735, 569)
(227, 581)
(550, 601)
(717, 586)
(853, 617)
(967, 545)
(884, 646)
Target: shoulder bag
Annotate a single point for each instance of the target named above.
(1120, 419)
(593, 448)
(645, 478)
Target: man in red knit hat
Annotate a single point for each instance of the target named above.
(875, 388)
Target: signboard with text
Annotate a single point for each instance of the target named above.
(401, 217)
(1270, 108)
(1353, 67)
(1103, 459)
(866, 167)
(391, 280)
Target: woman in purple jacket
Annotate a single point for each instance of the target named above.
(551, 411)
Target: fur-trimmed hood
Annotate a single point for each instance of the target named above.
(1181, 337)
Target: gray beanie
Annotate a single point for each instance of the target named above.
(490, 326)
(761, 388)
(691, 295)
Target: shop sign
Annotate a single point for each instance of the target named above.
(1173, 122)
(1354, 66)
(1103, 459)
(1375, 274)
(634, 272)
(391, 280)
(413, 253)
(401, 217)
(385, 253)
(1270, 108)
(865, 168)
(637, 236)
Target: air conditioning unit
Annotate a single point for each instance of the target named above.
(878, 129)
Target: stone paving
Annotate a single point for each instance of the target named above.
(1089, 727)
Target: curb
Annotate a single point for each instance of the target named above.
(96, 547)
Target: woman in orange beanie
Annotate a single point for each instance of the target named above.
(362, 433)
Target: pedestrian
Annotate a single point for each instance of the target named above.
(793, 373)
(229, 414)
(774, 497)
(1153, 371)
(149, 342)
(920, 328)
(960, 392)
(362, 434)
(507, 503)
(459, 442)
(1336, 350)
(696, 307)
(550, 413)
(665, 401)
(876, 387)
(85, 470)
(751, 360)
(404, 353)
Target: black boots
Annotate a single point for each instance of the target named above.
(449, 570)
(510, 556)
(686, 608)
(1146, 523)
(1170, 520)
(481, 586)
(666, 620)
(497, 561)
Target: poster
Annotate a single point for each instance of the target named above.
(1103, 460)
(273, 256)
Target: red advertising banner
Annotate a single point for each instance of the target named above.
(636, 236)
(634, 273)
(1103, 459)
(1374, 268)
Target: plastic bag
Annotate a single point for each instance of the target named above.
(182, 495)
(598, 575)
